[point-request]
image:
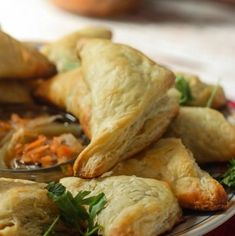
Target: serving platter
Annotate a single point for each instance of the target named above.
(199, 223)
(194, 223)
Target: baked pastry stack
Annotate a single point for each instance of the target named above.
(142, 143)
(25, 208)
(124, 106)
(169, 160)
(20, 63)
(135, 206)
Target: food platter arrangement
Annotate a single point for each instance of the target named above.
(98, 139)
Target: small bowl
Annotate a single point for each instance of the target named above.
(46, 174)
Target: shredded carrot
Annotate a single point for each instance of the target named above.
(37, 153)
(63, 150)
(26, 159)
(45, 152)
(46, 161)
(54, 145)
(42, 151)
(38, 142)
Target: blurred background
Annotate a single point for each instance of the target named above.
(186, 35)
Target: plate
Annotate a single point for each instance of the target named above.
(200, 223)
(196, 224)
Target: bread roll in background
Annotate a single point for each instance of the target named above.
(100, 8)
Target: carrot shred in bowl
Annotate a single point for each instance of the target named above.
(45, 152)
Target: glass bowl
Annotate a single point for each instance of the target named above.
(45, 175)
(41, 174)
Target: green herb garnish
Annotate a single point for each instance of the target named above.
(212, 96)
(183, 87)
(78, 212)
(228, 178)
(50, 230)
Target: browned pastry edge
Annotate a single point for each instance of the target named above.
(197, 201)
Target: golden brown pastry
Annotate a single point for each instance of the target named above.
(126, 90)
(201, 92)
(63, 51)
(69, 91)
(135, 206)
(206, 133)
(120, 99)
(25, 209)
(170, 161)
(21, 62)
(14, 92)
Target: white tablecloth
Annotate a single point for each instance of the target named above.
(194, 36)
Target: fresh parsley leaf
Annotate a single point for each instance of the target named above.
(50, 230)
(96, 204)
(228, 178)
(93, 231)
(183, 87)
(212, 96)
(81, 195)
(56, 189)
(78, 212)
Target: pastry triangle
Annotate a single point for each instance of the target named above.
(19, 61)
(168, 160)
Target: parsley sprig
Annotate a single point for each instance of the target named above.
(228, 178)
(78, 212)
(183, 87)
(213, 95)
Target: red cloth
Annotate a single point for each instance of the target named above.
(226, 229)
(231, 104)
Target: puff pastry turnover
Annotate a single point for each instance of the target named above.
(128, 104)
(205, 131)
(135, 206)
(121, 99)
(19, 61)
(69, 91)
(170, 161)
(25, 209)
(201, 92)
(63, 51)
